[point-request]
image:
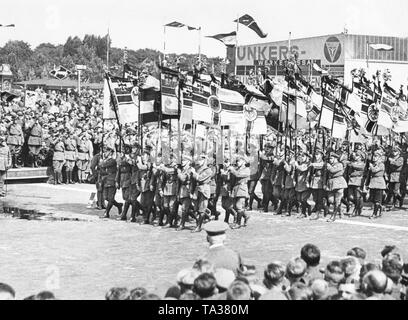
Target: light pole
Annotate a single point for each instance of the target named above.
(79, 68)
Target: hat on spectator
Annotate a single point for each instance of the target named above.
(214, 228)
(187, 276)
(224, 277)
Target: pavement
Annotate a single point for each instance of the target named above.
(70, 250)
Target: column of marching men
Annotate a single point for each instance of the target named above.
(313, 184)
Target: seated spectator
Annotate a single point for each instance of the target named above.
(295, 270)
(117, 294)
(45, 295)
(392, 268)
(185, 282)
(224, 278)
(359, 253)
(249, 273)
(137, 293)
(189, 296)
(275, 282)
(334, 275)
(374, 285)
(300, 291)
(205, 286)
(311, 255)
(150, 296)
(6, 292)
(350, 269)
(239, 290)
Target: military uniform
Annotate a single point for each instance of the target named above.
(278, 182)
(394, 169)
(35, 143)
(108, 173)
(123, 178)
(58, 160)
(266, 169)
(83, 159)
(355, 182)
(5, 164)
(212, 202)
(377, 183)
(335, 185)
(255, 174)
(146, 188)
(70, 158)
(15, 141)
(317, 182)
(170, 190)
(239, 192)
(202, 192)
(288, 186)
(96, 171)
(157, 184)
(302, 187)
(185, 191)
(134, 187)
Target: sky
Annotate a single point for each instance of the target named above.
(139, 24)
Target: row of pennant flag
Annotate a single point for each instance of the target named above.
(365, 108)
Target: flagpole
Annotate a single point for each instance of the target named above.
(199, 43)
(115, 109)
(139, 116)
(164, 44)
(236, 47)
(107, 51)
(179, 126)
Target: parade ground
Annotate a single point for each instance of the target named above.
(72, 252)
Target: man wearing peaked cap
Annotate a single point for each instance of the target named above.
(356, 168)
(394, 168)
(218, 254)
(185, 189)
(15, 141)
(335, 184)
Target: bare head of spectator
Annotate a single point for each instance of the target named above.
(359, 253)
(189, 296)
(137, 293)
(374, 283)
(6, 292)
(392, 267)
(295, 270)
(320, 289)
(334, 274)
(274, 275)
(45, 295)
(350, 269)
(150, 296)
(117, 294)
(205, 285)
(310, 254)
(300, 291)
(239, 290)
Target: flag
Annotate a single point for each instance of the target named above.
(381, 47)
(186, 113)
(121, 90)
(176, 24)
(254, 113)
(130, 71)
(248, 21)
(169, 91)
(148, 104)
(328, 108)
(60, 73)
(229, 39)
(200, 104)
(232, 108)
(386, 110)
(339, 124)
(314, 106)
(367, 118)
(285, 114)
(108, 111)
(402, 124)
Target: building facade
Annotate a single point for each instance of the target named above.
(339, 54)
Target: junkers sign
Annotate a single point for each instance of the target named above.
(328, 49)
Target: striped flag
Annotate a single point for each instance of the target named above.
(328, 107)
(201, 108)
(314, 106)
(121, 90)
(176, 24)
(229, 39)
(368, 116)
(250, 22)
(186, 113)
(254, 113)
(339, 123)
(232, 108)
(386, 110)
(402, 124)
(169, 91)
(285, 114)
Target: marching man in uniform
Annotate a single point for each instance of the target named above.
(70, 157)
(83, 161)
(202, 176)
(240, 176)
(356, 172)
(317, 182)
(335, 184)
(145, 175)
(35, 142)
(227, 202)
(123, 177)
(395, 164)
(302, 184)
(185, 189)
(377, 183)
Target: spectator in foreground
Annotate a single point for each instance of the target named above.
(117, 294)
(6, 292)
(311, 255)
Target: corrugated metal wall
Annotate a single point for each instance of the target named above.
(356, 47)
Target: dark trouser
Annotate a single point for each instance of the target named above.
(334, 198)
(134, 194)
(393, 192)
(376, 196)
(227, 204)
(288, 200)
(99, 195)
(185, 211)
(403, 190)
(109, 195)
(212, 205)
(301, 197)
(15, 151)
(319, 199)
(267, 191)
(252, 195)
(355, 196)
(169, 208)
(146, 202)
(126, 198)
(34, 151)
(239, 206)
(200, 206)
